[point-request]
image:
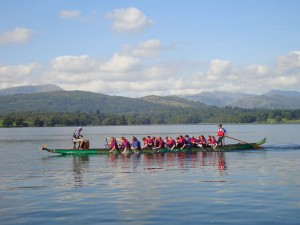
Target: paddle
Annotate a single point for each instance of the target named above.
(107, 144)
(243, 142)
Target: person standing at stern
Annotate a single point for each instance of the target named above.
(221, 135)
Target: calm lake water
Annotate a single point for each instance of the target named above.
(242, 187)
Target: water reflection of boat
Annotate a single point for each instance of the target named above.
(79, 163)
(160, 162)
(230, 147)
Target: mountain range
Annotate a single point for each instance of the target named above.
(30, 89)
(274, 99)
(53, 98)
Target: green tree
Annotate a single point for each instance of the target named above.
(20, 122)
(8, 122)
(37, 122)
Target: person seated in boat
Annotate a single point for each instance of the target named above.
(125, 145)
(144, 142)
(135, 144)
(208, 140)
(181, 142)
(170, 143)
(149, 143)
(113, 145)
(187, 143)
(202, 141)
(193, 141)
(160, 143)
(221, 135)
(213, 142)
(77, 138)
(155, 141)
(198, 140)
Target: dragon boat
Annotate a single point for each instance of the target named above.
(230, 147)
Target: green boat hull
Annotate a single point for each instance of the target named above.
(231, 147)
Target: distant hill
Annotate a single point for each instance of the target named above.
(274, 99)
(52, 98)
(30, 89)
(268, 101)
(173, 101)
(217, 98)
(81, 101)
(284, 93)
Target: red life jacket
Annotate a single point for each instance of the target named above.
(181, 141)
(126, 143)
(149, 142)
(213, 141)
(161, 144)
(203, 141)
(221, 132)
(171, 143)
(114, 144)
(193, 140)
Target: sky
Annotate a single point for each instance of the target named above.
(136, 48)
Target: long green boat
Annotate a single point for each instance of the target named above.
(230, 147)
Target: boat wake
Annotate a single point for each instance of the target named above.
(282, 147)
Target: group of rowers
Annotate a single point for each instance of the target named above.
(156, 143)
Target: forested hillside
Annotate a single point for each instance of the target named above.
(70, 108)
(88, 102)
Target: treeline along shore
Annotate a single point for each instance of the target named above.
(176, 116)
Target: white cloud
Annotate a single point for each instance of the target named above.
(10, 72)
(67, 14)
(71, 69)
(17, 35)
(130, 76)
(120, 64)
(15, 75)
(289, 62)
(147, 49)
(284, 81)
(219, 67)
(256, 69)
(129, 19)
(73, 64)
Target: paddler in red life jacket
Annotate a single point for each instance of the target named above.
(193, 141)
(208, 139)
(149, 143)
(170, 142)
(221, 135)
(125, 144)
(144, 142)
(202, 142)
(113, 144)
(155, 142)
(213, 142)
(160, 143)
(180, 143)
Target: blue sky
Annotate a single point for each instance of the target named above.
(137, 48)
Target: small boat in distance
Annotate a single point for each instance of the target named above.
(229, 147)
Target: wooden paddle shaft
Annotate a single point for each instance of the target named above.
(236, 139)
